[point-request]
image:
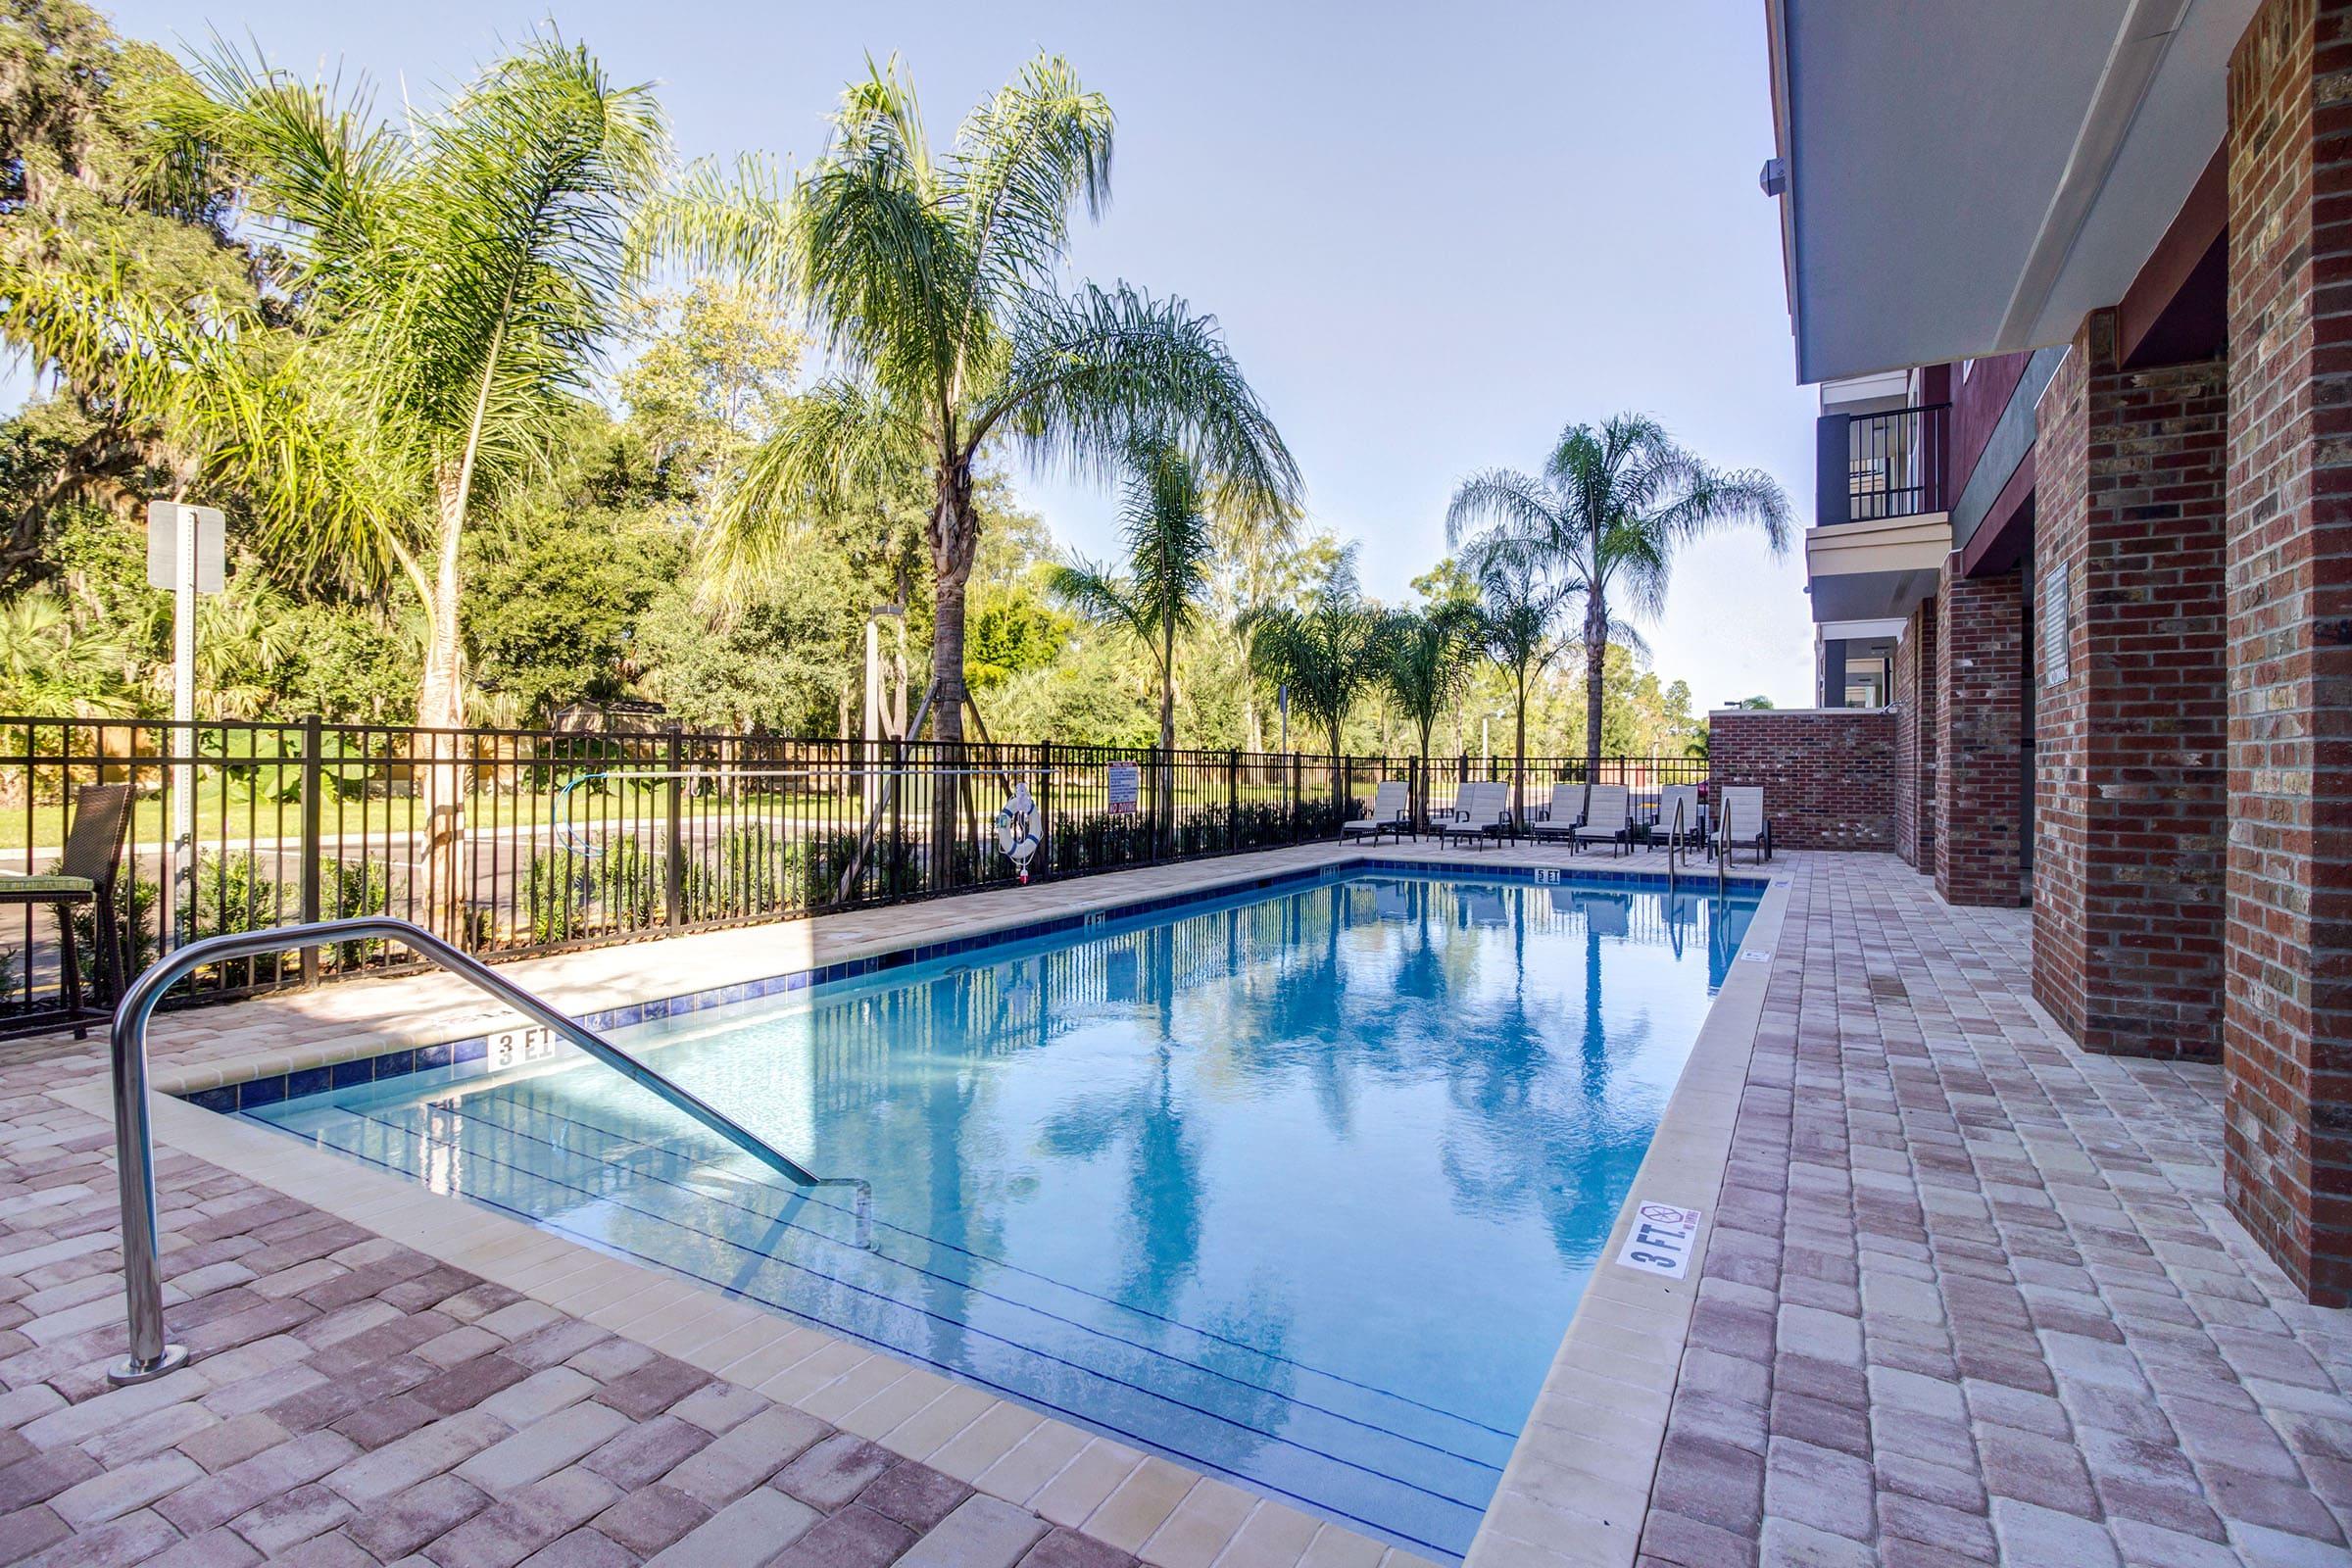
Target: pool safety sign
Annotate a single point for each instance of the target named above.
(1126, 784)
(1661, 1240)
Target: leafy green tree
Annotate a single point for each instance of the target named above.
(714, 374)
(455, 277)
(933, 281)
(1013, 631)
(1607, 515)
(93, 204)
(777, 659)
(1427, 669)
(1168, 550)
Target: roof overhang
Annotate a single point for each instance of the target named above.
(1880, 569)
(1971, 179)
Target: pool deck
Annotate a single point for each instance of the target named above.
(1963, 1294)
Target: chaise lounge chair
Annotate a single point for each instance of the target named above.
(1745, 821)
(1567, 810)
(1693, 829)
(1608, 820)
(1479, 813)
(1392, 813)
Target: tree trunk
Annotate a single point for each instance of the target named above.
(1596, 650)
(1519, 755)
(953, 532)
(440, 714)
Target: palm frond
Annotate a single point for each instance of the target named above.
(1096, 373)
(1038, 147)
(836, 445)
(712, 220)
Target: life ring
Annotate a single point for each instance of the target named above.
(1016, 830)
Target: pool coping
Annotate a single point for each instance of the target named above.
(1577, 1487)
(1558, 1478)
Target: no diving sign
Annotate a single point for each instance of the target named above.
(1661, 1240)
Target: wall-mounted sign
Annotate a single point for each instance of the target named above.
(2057, 624)
(1126, 787)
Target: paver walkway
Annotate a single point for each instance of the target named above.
(354, 1402)
(1973, 1296)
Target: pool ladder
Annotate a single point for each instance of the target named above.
(134, 1144)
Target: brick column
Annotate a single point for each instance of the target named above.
(2287, 1013)
(1915, 741)
(2129, 816)
(1980, 732)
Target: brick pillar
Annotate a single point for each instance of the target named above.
(2128, 820)
(1915, 741)
(2287, 1013)
(1980, 737)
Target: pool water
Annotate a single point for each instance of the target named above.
(1299, 1187)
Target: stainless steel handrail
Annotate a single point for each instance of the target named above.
(134, 1145)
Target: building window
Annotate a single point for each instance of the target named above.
(2057, 625)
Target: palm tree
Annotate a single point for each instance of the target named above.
(1517, 616)
(1426, 670)
(50, 669)
(1605, 518)
(1168, 554)
(1327, 654)
(932, 281)
(453, 277)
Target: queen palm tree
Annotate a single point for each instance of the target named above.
(453, 278)
(1426, 672)
(1517, 623)
(931, 279)
(1168, 555)
(1605, 516)
(1327, 653)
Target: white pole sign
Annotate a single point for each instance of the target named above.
(187, 553)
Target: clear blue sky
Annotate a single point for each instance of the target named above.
(1433, 234)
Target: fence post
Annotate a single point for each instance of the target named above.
(313, 741)
(673, 881)
(1297, 828)
(1233, 799)
(1047, 830)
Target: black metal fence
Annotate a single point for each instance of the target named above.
(515, 842)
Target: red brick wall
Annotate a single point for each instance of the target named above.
(1980, 732)
(1915, 740)
(2288, 1012)
(1828, 773)
(2129, 814)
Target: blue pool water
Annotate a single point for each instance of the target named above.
(1300, 1186)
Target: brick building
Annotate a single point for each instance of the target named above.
(2085, 515)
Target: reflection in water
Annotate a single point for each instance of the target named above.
(1302, 1188)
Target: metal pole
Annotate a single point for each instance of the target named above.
(673, 878)
(312, 743)
(134, 1147)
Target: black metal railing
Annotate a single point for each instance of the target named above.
(518, 842)
(1889, 464)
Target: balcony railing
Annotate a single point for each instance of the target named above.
(1888, 464)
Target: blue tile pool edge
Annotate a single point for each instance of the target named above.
(469, 1057)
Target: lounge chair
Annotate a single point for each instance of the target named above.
(1694, 827)
(1566, 811)
(86, 875)
(1392, 813)
(1745, 821)
(1608, 819)
(1479, 813)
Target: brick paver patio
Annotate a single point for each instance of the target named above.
(1969, 1297)
(1973, 1296)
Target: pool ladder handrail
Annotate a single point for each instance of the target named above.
(134, 1144)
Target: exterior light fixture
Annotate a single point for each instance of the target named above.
(1773, 177)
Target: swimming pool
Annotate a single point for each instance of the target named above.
(1299, 1186)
